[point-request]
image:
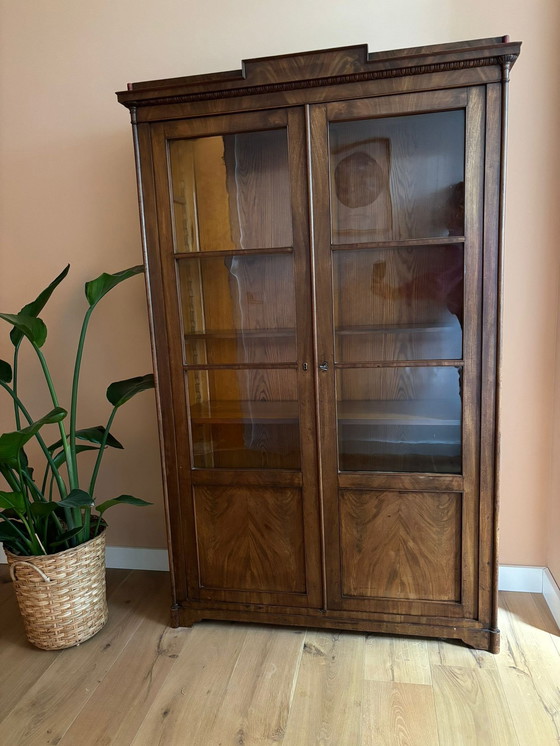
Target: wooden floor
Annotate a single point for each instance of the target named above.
(219, 684)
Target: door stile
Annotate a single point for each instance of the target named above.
(326, 401)
(179, 440)
(160, 354)
(297, 153)
(474, 213)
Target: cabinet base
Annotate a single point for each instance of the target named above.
(473, 635)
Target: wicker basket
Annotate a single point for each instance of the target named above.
(61, 596)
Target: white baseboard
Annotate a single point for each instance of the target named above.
(133, 558)
(551, 593)
(520, 578)
(511, 577)
(129, 558)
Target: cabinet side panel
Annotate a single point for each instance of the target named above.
(488, 578)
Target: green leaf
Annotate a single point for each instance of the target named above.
(35, 307)
(12, 500)
(93, 435)
(63, 538)
(12, 443)
(121, 391)
(34, 329)
(121, 500)
(5, 371)
(60, 458)
(96, 289)
(8, 533)
(43, 510)
(76, 499)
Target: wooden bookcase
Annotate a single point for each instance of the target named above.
(323, 237)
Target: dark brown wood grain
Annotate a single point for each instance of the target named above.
(400, 545)
(322, 235)
(250, 539)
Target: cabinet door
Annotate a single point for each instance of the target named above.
(232, 199)
(398, 206)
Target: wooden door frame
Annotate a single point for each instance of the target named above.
(472, 100)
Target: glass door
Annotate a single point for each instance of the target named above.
(398, 240)
(238, 278)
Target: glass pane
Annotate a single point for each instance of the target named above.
(231, 192)
(244, 419)
(238, 309)
(399, 419)
(399, 303)
(397, 177)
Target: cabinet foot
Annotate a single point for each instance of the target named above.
(484, 639)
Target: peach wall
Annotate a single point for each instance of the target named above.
(68, 194)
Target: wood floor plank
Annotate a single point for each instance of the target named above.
(529, 669)
(400, 659)
(396, 714)
(137, 675)
(185, 708)
(6, 585)
(246, 684)
(327, 702)
(471, 707)
(46, 710)
(453, 654)
(16, 654)
(256, 703)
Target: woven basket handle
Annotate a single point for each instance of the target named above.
(25, 562)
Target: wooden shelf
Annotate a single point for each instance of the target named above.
(230, 412)
(394, 329)
(400, 243)
(411, 413)
(236, 333)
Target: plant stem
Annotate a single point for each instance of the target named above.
(102, 447)
(28, 521)
(26, 542)
(65, 445)
(15, 374)
(19, 406)
(7, 473)
(74, 401)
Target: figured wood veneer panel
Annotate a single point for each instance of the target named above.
(404, 545)
(250, 538)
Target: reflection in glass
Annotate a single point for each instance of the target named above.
(244, 419)
(399, 419)
(396, 178)
(231, 192)
(238, 309)
(399, 303)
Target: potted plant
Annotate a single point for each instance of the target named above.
(51, 522)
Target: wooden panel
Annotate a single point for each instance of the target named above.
(409, 482)
(413, 102)
(404, 545)
(250, 538)
(277, 477)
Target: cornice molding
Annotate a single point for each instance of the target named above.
(332, 80)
